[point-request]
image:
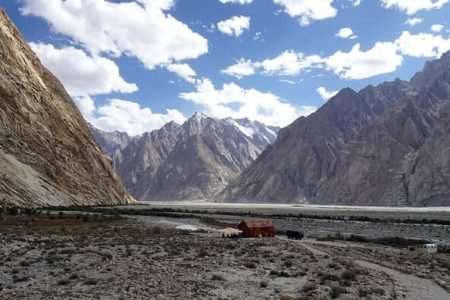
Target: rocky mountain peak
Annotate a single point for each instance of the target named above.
(432, 71)
(191, 161)
(385, 145)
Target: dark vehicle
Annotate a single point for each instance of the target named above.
(294, 235)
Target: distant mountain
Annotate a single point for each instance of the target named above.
(385, 145)
(192, 161)
(47, 154)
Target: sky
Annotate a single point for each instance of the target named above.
(135, 65)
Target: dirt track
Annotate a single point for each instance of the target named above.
(406, 286)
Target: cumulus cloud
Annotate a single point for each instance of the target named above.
(237, 1)
(437, 27)
(288, 63)
(382, 58)
(125, 116)
(422, 44)
(413, 21)
(140, 28)
(413, 6)
(236, 102)
(307, 11)
(356, 64)
(184, 71)
(324, 94)
(346, 33)
(82, 74)
(242, 68)
(234, 26)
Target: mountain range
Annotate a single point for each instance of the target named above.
(192, 161)
(47, 153)
(384, 145)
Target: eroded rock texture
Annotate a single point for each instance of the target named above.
(385, 145)
(47, 153)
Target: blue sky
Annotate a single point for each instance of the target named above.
(135, 65)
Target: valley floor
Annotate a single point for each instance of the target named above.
(79, 256)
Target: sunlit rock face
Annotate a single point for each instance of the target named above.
(47, 153)
(385, 145)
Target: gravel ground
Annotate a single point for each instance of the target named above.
(126, 260)
(69, 256)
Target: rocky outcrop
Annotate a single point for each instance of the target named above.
(47, 153)
(192, 161)
(386, 145)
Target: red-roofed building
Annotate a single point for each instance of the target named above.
(257, 228)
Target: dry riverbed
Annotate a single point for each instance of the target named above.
(72, 257)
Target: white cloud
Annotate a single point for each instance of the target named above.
(288, 63)
(437, 27)
(382, 58)
(413, 6)
(356, 2)
(287, 81)
(346, 33)
(234, 26)
(356, 64)
(258, 36)
(422, 44)
(237, 1)
(126, 116)
(184, 71)
(86, 105)
(241, 69)
(324, 94)
(413, 21)
(142, 28)
(308, 11)
(80, 73)
(237, 102)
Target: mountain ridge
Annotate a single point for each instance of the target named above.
(47, 154)
(356, 148)
(191, 161)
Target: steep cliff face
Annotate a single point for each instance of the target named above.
(47, 154)
(191, 161)
(386, 145)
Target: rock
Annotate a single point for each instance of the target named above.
(385, 145)
(47, 153)
(192, 161)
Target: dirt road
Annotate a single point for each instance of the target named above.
(406, 286)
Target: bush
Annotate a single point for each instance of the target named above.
(329, 276)
(156, 230)
(349, 275)
(250, 265)
(309, 286)
(85, 218)
(12, 210)
(336, 291)
(218, 277)
(203, 253)
(288, 263)
(63, 282)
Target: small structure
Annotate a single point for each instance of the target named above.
(230, 232)
(294, 235)
(427, 248)
(257, 228)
